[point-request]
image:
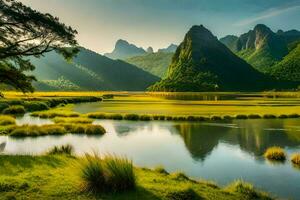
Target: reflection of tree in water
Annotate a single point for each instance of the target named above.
(255, 139)
(200, 139)
(252, 136)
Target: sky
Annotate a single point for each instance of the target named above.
(158, 23)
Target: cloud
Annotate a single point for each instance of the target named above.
(269, 14)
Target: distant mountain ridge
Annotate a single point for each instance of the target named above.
(170, 49)
(124, 49)
(89, 71)
(276, 54)
(202, 63)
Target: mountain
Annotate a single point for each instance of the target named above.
(150, 50)
(203, 63)
(154, 63)
(125, 50)
(89, 71)
(290, 36)
(230, 41)
(170, 49)
(289, 67)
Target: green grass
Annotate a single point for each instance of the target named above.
(14, 110)
(275, 153)
(59, 150)
(108, 174)
(7, 120)
(55, 129)
(59, 177)
(76, 120)
(295, 159)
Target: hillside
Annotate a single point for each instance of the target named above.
(202, 63)
(89, 71)
(289, 67)
(125, 50)
(154, 63)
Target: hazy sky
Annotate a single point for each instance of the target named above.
(158, 23)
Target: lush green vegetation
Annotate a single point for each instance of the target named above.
(53, 129)
(89, 71)
(61, 150)
(108, 174)
(25, 177)
(295, 159)
(195, 67)
(154, 63)
(275, 153)
(7, 120)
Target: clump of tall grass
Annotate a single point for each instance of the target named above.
(132, 117)
(216, 118)
(64, 149)
(282, 116)
(75, 120)
(89, 129)
(108, 174)
(241, 116)
(53, 114)
(254, 116)
(228, 117)
(32, 106)
(14, 110)
(33, 131)
(97, 115)
(180, 176)
(247, 190)
(269, 116)
(275, 153)
(295, 159)
(293, 116)
(144, 118)
(7, 120)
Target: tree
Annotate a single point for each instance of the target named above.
(25, 32)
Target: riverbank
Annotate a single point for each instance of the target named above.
(57, 177)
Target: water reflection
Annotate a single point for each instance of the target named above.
(222, 152)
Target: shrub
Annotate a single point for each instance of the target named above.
(227, 117)
(133, 117)
(293, 116)
(269, 116)
(216, 118)
(108, 174)
(145, 118)
(7, 120)
(275, 153)
(116, 116)
(97, 115)
(14, 110)
(282, 116)
(94, 130)
(295, 159)
(254, 116)
(35, 106)
(64, 149)
(241, 117)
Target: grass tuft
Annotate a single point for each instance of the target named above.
(241, 117)
(295, 159)
(161, 170)
(275, 153)
(108, 174)
(183, 194)
(64, 149)
(14, 110)
(254, 116)
(7, 120)
(132, 117)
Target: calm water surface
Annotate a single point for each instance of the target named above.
(222, 152)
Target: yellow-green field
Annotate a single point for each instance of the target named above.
(170, 104)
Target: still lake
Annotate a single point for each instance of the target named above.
(222, 152)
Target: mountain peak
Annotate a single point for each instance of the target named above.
(124, 49)
(200, 32)
(262, 28)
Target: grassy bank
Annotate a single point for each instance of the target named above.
(58, 177)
